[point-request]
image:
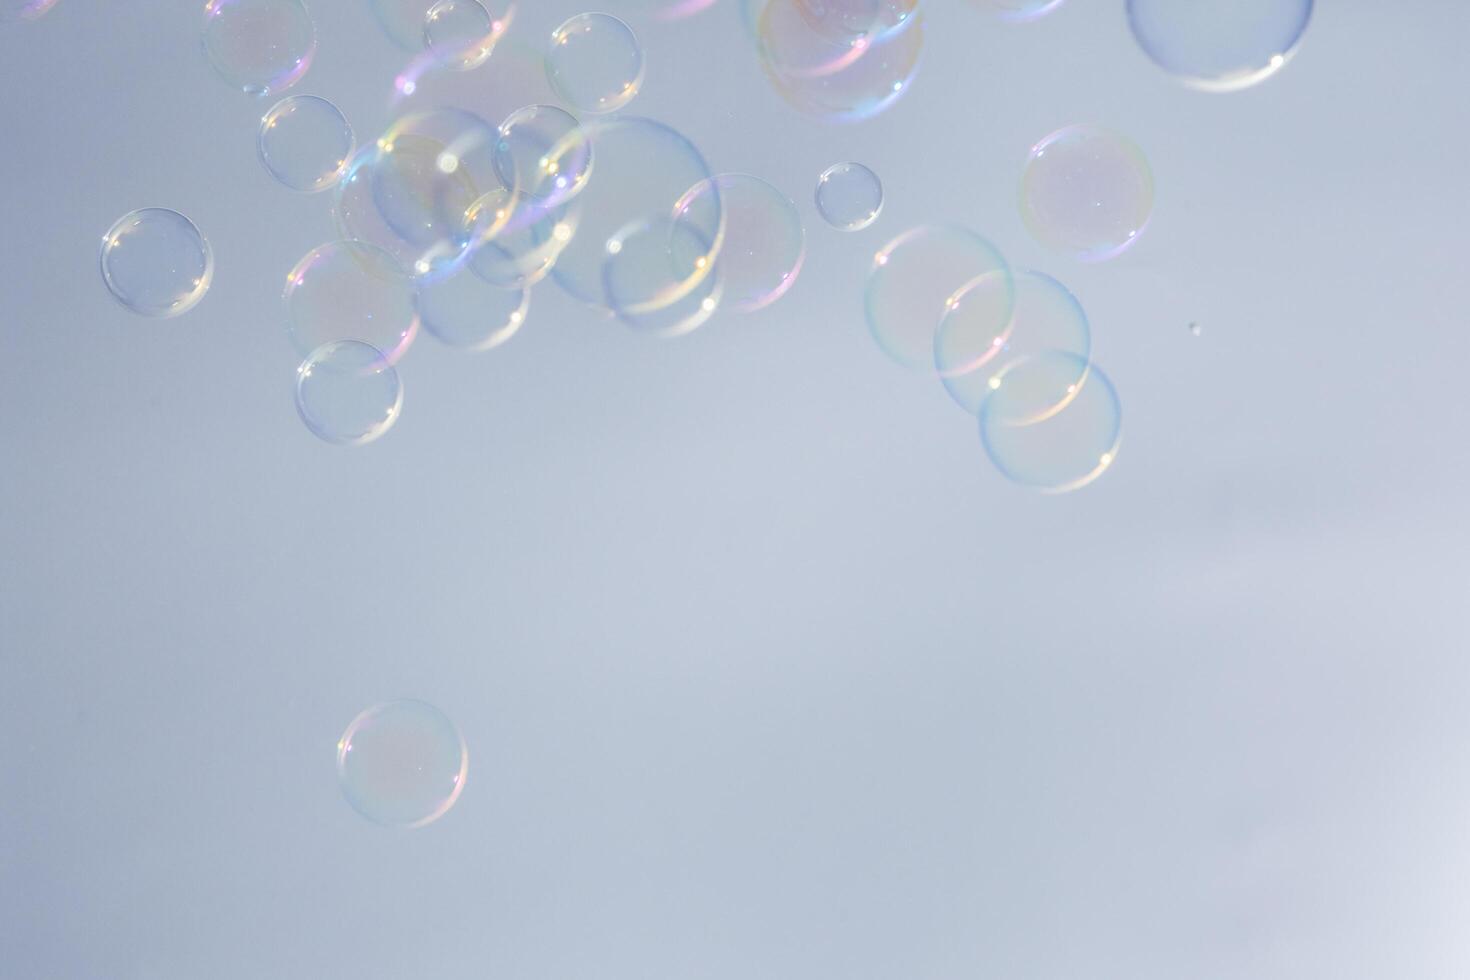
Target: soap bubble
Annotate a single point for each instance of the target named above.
(1087, 192)
(1020, 10)
(469, 313)
(1219, 45)
(595, 63)
(648, 281)
(351, 290)
(764, 243)
(402, 764)
(912, 280)
(524, 153)
(522, 237)
(1051, 421)
(806, 38)
(461, 34)
(347, 393)
(259, 46)
(13, 10)
(849, 196)
(156, 263)
(305, 143)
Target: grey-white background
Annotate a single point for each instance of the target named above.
(764, 671)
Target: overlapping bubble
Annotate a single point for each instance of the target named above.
(156, 262)
(402, 764)
(468, 313)
(764, 242)
(305, 143)
(261, 47)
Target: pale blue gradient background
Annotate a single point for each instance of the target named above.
(765, 672)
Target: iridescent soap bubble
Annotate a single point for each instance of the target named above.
(849, 196)
(1051, 421)
(647, 281)
(347, 393)
(259, 46)
(1087, 192)
(13, 10)
(764, 243)
(469, 313)
(351, 290)
(402, 764)
(1219, 45)
(524, 153)
(913, 279)
(867, 80)
(305, 143)
(520, 237)
(1019, 10)
(971, 347)
(461, 34)
(156, 263)
(805, 38)
(595, 63)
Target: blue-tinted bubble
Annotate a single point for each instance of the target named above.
(1219, 45)
(259, 46)
(524, 153)
(156, 263)
(595, 63)
(461, 34)
(1051, 421)
(1017, 11)
(519, 237)
(849, 196)
(1087, 192)
(647, 276)
(305, 143)
(351, 290)
(764, 244)
(347, 393)
(402, 764)
(468, 313)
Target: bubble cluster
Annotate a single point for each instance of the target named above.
(305, 143)
(849, 196)
(347, 393)
(156, 263)
(1220, 45)
(351, 290)
(1087, 192)
(402, 764)
(259, 46)
(595, 63)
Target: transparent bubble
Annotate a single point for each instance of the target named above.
(849, 196)
(764, 243)
(1220, 45)
(643, 171)
(14, 10)
(647, 280)
(971, 347)
(469, 313)
(913, 279)
(528, 138)
(259, 46)
(522, 237)
(595, 63)
(156, 263)
(1087, 192)
(868, 77)
(347, 393)
(305, 143)
(1017, 11)
(351, 290)
(402, 764)
(461, 34)
(1044, 428)
(805, 38)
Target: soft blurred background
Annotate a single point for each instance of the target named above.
(764, 670)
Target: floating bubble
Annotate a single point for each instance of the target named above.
(1017, 11)
(849, 196)
(866, 78)
(764, 243)
(524, 153)
(259, 46)
(971, 347)
(1051, 421)
(156, 263)
(647, 277)
(13, 10)
(468, 313)
(461, 34)
(1220, 45)
(1088, 192)
(347, 393)
(522, 237)
(305, 143)
(595, 63)
(402, 764)
(351, 290)
(913, 279)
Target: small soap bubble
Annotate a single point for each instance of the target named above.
(156, 263)
(347, 393)
(1087, 192)
(1219, 45)
(261, 47)
(849, 196)
(351, 290)
(402, 764)
(305, 143)
(461, 34)
(595, 63)
(468, 313)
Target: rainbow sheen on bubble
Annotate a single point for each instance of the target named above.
(849, 196)
(648, 281)
(1087, 192)
(468, 313)
(347, 393)
(259, 46)
(1019, 11)
(156, 262)
(524, 153)
(1220, 45)
(764, 244)
(461, 34)
(305, 143)
(1051, 422)
(912, 281)
(595, 63)
(351, 290)
(971, 348)
(402, 764)
(519, 238)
